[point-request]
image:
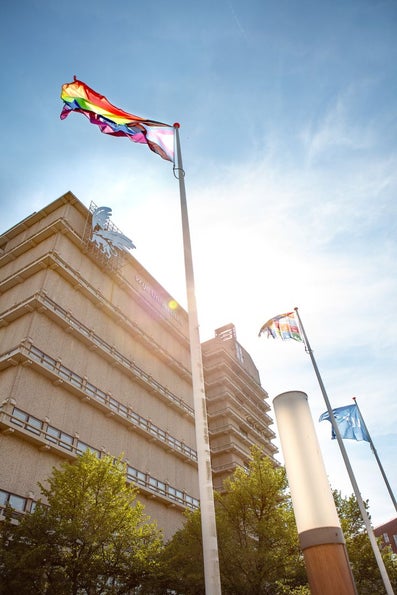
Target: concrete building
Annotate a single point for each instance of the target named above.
(237, 408)
(94, 353)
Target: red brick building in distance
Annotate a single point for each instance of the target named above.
(388, 532)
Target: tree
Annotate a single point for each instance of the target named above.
(362, 560)
(92, 536)
(257, 538)
(181, 566)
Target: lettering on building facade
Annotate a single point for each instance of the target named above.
(169, 307)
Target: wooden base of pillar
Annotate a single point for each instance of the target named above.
(328, 570)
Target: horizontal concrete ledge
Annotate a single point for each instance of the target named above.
(320, 536)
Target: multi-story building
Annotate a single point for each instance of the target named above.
(238, 412)
(94, 353)
(388, 533)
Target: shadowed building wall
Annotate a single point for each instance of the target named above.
(94, 353)
(92, 356)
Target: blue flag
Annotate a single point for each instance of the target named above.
(350, 423)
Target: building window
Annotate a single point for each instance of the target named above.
(24, 420)
(16, 502)
(239, 353)
(58, 437)
(83, 447)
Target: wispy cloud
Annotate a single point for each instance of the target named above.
(338, 128)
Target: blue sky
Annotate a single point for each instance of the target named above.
(288, 130)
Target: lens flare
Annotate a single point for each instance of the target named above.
(173, 305)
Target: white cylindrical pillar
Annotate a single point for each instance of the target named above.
(320, 534)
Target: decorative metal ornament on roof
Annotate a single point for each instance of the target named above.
(106, 236)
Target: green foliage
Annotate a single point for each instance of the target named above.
(182, 560)
(257, 539)
(257, 531)
(362, 559)
(92, 537)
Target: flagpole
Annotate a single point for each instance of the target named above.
(375, 548)
(207, 507)
(377, 458)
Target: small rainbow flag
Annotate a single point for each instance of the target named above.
(283, 326)
(78, 97)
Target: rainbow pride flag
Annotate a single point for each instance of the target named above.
(78, 97)
(283, 326)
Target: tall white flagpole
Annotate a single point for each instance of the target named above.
(375, 548)
(377, 458)
(207, 507)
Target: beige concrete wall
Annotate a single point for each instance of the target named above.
(37, 221)
(94, 297)
(25, 466)
(12, 334)
(22, 288)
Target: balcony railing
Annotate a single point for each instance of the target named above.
(254, 403)
(112, 353)
(242, 416)
(55, 261)
(29, 353)
(48, 436)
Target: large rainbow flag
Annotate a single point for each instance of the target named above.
(80, 98)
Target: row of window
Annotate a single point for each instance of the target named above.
(72, 444)
(386, 539)
(21, 504)
(105, 399)
(18, 503)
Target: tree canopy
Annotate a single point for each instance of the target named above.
(258, 543)
(257, 539)
(91, 535)
(362, 560)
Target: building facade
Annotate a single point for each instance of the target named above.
(388, 533)
(94, 354)
(237, 408)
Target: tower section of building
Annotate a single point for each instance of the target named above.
(238, 412)
(94, 355)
